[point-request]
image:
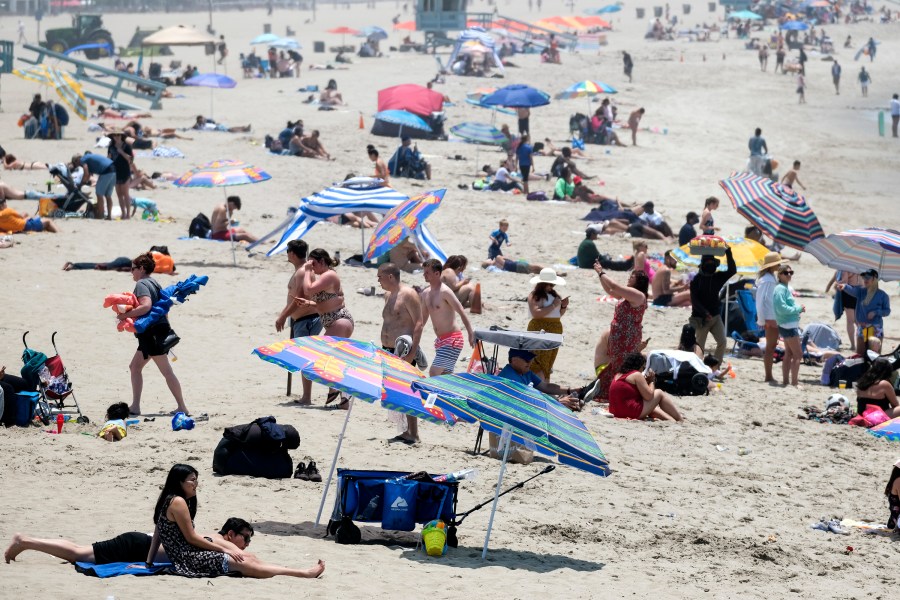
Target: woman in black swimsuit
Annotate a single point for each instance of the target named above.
(874, 388)
(892, 491)
(193, 555)
(122, 155)
(707, 223)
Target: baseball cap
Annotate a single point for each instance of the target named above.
(519, 353)
(405, 138)
(576, 180)
(870, 273)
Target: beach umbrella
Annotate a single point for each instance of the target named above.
(794, 26)
(609, 8)
(519, 414)
(743, 15)
(402, 221)
(858, 250)
(517, 96)
(286, 44)
(65, 85)
(586, 89)
(358, 369)
(343, 32)
(211, 81)
(406, 26)
(479, 133)
(403, 118)
(265, 38)
(373, 33)
(889, 430)
(778, 211)
(223, 173)
(748, 256)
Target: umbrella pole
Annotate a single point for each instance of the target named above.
(230, 234)
(337, 452)
(507, 435)
(362, 242)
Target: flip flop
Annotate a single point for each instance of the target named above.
(332, 396)
(402, 440)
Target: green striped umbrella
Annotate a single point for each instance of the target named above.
(532, 416)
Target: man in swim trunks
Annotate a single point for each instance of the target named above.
(512, 265)
(402, 315)
(664, 293)
(305, 320)
(441, 305)
(15, 222)
(222, 217)
(131, 547)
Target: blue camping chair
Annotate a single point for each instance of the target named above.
(746, 302)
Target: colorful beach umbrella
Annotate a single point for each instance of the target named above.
(359, 369)
(403, 118)
(517, 96)
(68, 89)
(402, 221)
(265, 38)
(211, 80)
(889, 430)
(858, 250)
(518, 413)
(794, 26)
(748, 256)
(586, 89)
(479, 133)
(223, 173)
(778, 211)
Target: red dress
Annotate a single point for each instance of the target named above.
(625, 401)
(624, 337)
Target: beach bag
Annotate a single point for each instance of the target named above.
(234, 458)
(399, 507)
(874, 415)
(200, 226)
(538, 196)
(688, 382)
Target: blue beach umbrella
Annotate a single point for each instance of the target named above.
(517, 96)
(795, 26)
(609, 8)
(403, 118)
(266, 38)
(286, 44)
(211, 80)
(373, 33)
(743, 15)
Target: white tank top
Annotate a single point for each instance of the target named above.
(555, 313)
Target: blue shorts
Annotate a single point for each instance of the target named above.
(105, 184)
(34, 224)
(306, 326)
(788, 332)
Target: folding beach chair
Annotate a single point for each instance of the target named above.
(52, 381)
(746, 303)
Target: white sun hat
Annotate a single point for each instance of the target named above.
(548, 275)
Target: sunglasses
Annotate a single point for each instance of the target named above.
(246, 537)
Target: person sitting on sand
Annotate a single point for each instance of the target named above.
(665, 293)
(311, 147)
(512, 265)
(565, 187)
(565, 160)
(452, 277)
(13, 221)
(190, 553)
(406, 256)
(330, 96)
(655, 220)
(504, 180)
(633, 395)
(381, 169)
(11, 163)
(130, 547)
(204, 124)
(519, 370)
(588, 254)
(874, 388)
(222, 220)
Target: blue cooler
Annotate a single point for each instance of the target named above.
(26, 404)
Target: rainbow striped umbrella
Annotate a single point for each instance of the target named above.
(889, 430)
(221, 173)
(401, 221)
(778, 211)
(858, 250)
(534, 417)
(586, 89)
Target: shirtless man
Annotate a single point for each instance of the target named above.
(222, 217)
(402, 315)
(131, 547)
(634, 120)
(664, 293)
(792, 177)
(305, 320)
(441, 305)
(312, 147)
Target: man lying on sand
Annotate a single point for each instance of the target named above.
(15, 222)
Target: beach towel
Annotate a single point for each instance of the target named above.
(122, 568)
(162, 152)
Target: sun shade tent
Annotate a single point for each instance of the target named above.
(179, 35)
(482, 37)
(415, 99)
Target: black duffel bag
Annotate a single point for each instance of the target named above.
(257, 449)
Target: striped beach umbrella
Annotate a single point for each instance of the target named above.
(858, 250)
(586, 89)
(64, 84)
(778, 211)
(402, 221)
(479, 133)
(748, 255)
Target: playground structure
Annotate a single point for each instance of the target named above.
(115, 83)
(85, 29)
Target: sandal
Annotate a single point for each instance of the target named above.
(332, 396)
(300, 473)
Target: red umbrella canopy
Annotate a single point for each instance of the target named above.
(410, 97)
(343, 31)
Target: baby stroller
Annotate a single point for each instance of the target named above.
(68, 204)
(50, 378)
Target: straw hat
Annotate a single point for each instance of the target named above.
(113, 132)
(548, 275)
(772, 259)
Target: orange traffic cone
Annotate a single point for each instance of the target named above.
(361, 124)
(475, 309)
(92, 102)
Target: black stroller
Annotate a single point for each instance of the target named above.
(69, 204)
(50, 378)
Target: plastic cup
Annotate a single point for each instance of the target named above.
(842, 384)
(60, 419)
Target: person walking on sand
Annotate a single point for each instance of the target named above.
(763, 56)
(836, 77)
(864, 80)
(402, 316)
(801, 88)
(628, 65)
(441, 305)
(304, 319)
(779, 59)
(793, 176)
(705, 302)
(758, 150)
(152, 342)
(895, 114)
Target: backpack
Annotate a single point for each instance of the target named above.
(200, 226)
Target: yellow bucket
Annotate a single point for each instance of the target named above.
(46, 206)
(435, 540)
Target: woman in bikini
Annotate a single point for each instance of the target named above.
(707, 223)
(452, 277)
(324, 285)
(11, 163)
(193, 555)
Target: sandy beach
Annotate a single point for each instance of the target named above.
(677, 519)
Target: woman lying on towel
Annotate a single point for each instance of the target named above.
(193, 555)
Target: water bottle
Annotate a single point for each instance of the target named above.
(370, 509)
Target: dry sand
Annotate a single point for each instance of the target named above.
(677, 519)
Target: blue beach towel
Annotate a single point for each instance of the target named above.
(122, 568)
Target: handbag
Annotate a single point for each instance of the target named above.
(170, 342)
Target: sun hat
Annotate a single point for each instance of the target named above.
(520, 353)
(548, 275)
(772, 259)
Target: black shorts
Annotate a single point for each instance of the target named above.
(131, 547)
(663, 300)
(848, 301)
(526, 171)
(636, 229)
(150, 343)
(142, 144)
(123, 176)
